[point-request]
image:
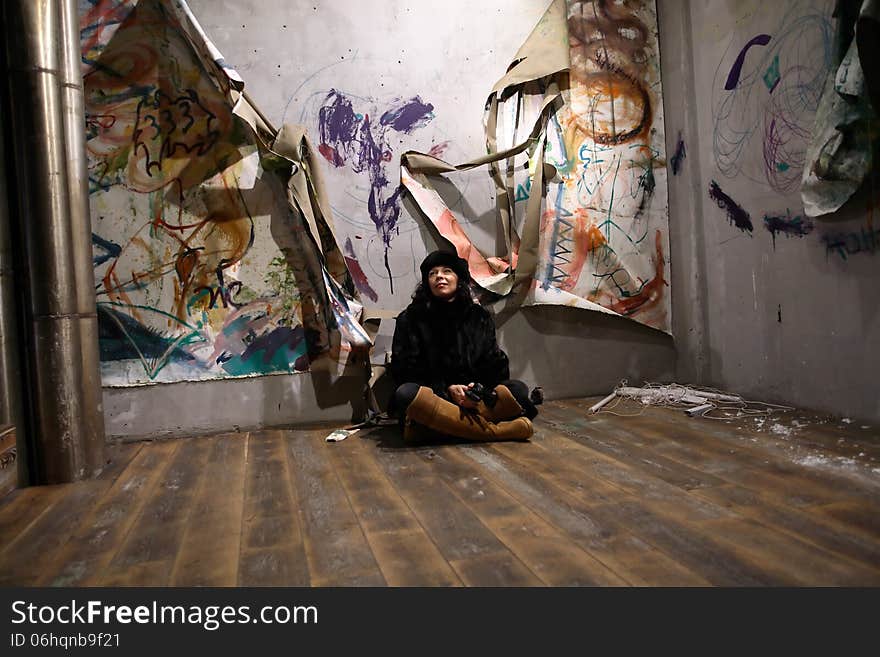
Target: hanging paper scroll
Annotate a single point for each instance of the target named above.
(583, 95)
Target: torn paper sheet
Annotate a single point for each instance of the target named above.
(340, 434)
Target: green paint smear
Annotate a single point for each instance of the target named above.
(281, 280)
(236, 325)
(771, 76)
(282, 361)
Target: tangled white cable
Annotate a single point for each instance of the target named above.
(695, 400)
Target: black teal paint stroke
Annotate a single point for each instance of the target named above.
(735, 213)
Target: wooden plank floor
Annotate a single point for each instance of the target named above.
(650, 499)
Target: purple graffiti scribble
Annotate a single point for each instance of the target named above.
(736, 69)
(783, 149)
(357, 272)
(790, 226)
(735, 213)
(679, 155)
(349, 137)
(414, 114)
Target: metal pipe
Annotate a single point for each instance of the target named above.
(72, 102)
(11, 375)
(55, 320)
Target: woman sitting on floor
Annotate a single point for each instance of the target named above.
(451, 374)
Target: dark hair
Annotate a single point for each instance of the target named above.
(449, 259)
(422, 297)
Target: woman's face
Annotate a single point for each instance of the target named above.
(443, 282)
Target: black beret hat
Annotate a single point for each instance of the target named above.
(445, 259)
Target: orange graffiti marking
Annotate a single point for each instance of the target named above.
(652, 291)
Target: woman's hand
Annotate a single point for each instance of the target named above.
(458, 395)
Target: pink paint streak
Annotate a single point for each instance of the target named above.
(357, 273)
(479, 266)
(437, 150)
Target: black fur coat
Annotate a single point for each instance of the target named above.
(442, 344)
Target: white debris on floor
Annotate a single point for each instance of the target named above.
(693, 400)
(778, 427)
(782, 430)
(339, 434)
(812, 460)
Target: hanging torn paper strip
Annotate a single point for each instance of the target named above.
(846, 132)
(214, 249)
(583, 97)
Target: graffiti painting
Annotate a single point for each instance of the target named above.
(604, 234)
(601, 240)
(201, 269)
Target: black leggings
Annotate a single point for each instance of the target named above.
(406, 392)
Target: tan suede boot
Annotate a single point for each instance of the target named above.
(506, 407)
(445, 417)
(413, 432)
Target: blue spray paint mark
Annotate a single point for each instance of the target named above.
(679, 155)
(105, 250)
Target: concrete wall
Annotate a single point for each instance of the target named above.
(205, 407)
(575, 353)
(776, 317)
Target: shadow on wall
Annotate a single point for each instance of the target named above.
(851, 237)
(484, 228)
(570, 352)
(290, 233)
